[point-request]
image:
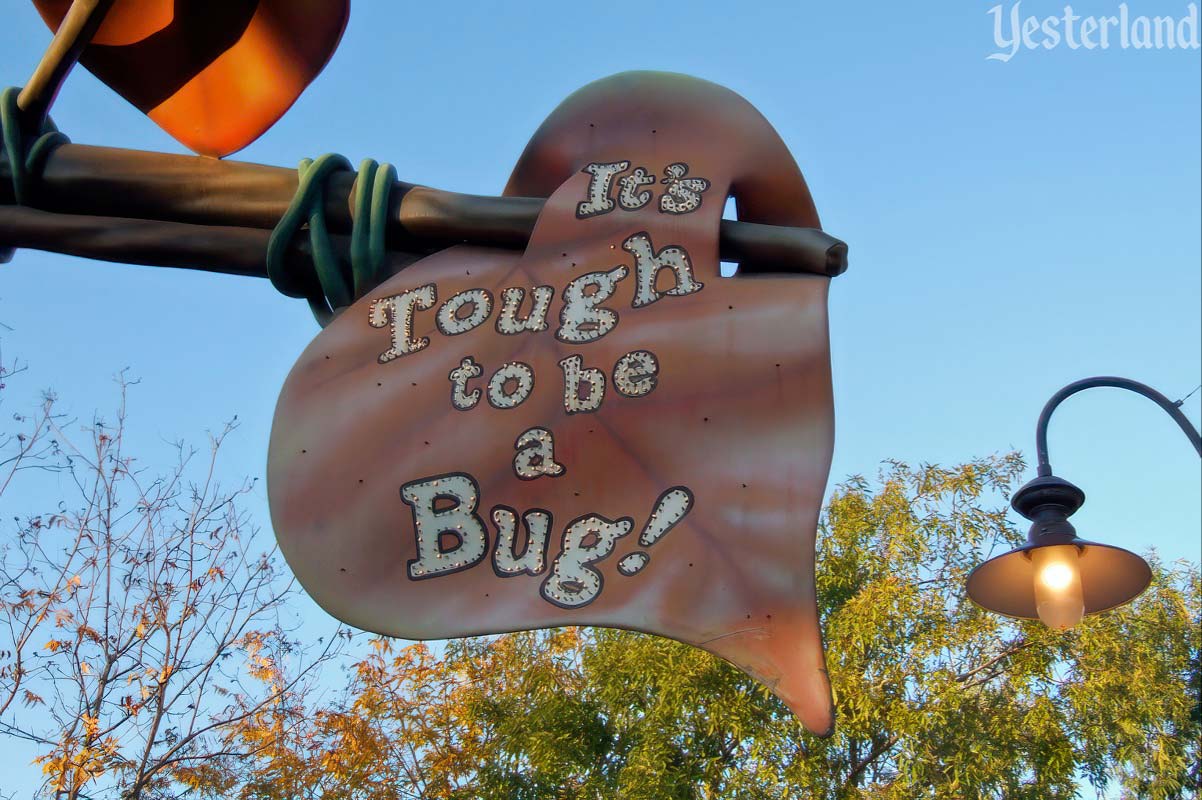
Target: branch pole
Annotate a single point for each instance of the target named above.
(78, 27)
(133, 185)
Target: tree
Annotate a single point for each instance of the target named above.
(145, 653)
(936, 698)
(138, 621)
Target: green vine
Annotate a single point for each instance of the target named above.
(24, 163)
(338, 284)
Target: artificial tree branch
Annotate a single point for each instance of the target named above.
(80, 24)
(138, 186)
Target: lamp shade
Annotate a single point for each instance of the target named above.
(1110, 577)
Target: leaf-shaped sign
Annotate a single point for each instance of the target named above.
(215, 75)
(601, 430)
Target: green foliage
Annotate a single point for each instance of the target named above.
(936, 698)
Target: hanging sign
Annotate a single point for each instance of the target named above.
(214, 75)
(602, 430)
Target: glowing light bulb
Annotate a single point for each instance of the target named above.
(1058, 597)
(1056, 577)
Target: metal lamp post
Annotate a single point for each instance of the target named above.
(1056, 576)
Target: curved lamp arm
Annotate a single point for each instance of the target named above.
(1173, 409)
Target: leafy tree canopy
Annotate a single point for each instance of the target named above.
(143, 650)
(936, 698)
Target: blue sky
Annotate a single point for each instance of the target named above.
(1013, 226)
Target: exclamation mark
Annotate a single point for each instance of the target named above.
(671, 507)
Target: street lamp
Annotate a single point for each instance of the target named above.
(1056, 576)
